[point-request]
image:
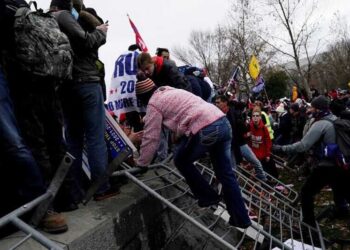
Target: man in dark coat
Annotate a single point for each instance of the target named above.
(161, 71)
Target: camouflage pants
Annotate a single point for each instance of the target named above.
(39, 116)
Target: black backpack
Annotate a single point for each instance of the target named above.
(342, 150)
(342, 130)
(40, 46)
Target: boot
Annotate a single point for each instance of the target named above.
(53, 223)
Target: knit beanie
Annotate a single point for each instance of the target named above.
(321, 102)
(62, 4)
(144, 86)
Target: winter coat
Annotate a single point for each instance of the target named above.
(180, 111)
(199, 87)
(166, 73)
(85, 46)
(260, 141)
(284, 126)
(236, 134)
(320, 134)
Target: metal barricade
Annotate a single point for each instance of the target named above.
(276, 224)
(41, 204)
(282, 191)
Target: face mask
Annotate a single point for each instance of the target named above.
(75, 14)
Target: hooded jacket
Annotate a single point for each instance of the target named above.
(321, 133)
(85, 46)
(260, 141)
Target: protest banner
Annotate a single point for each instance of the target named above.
(121, 97)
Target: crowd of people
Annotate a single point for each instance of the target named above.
(184, 115)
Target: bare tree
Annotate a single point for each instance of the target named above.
(207, 49)
(300, 30)
(333, 66)
(228, 46)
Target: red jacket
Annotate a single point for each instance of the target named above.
(260, 141)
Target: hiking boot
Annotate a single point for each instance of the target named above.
(53, 223)
(112, 191)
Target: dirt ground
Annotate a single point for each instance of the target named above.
(335, 230)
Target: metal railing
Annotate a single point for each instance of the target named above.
(41, 204)
(275, 222)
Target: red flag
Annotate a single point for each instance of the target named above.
(139, 40)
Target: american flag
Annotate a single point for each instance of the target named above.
(139, 40)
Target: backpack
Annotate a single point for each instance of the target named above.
(196, 76)
(340, 151)
(40, 46)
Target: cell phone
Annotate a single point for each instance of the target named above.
(107, 22)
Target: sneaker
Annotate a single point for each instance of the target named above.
(112, 191)
(53, 223)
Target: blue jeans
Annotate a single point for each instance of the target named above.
(26, 177)
(249, 155)
(215, 139)
(84, 114)
(162, 152)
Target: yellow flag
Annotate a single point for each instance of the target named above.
(294, 93)
(254, 68)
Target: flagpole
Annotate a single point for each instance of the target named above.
(267, 96)
(229, 82)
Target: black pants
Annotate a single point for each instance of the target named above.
(320, 177)
(270, 167)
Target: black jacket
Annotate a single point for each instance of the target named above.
(199, 87)
(169, 75)
(237, 134)
(85, 46)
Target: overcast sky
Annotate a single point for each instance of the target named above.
(168, 23)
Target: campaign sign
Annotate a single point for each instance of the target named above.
(116, 138)
(116, 141)
(121, 97)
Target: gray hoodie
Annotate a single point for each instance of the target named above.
(321, 129)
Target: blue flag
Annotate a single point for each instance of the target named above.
(259, 85)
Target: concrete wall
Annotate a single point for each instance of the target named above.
(131, 220)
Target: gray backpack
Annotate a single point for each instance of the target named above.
(40, 46)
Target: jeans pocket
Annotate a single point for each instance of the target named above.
(209, 135)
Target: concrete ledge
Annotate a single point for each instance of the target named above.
(131, 220)
(93, 226)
